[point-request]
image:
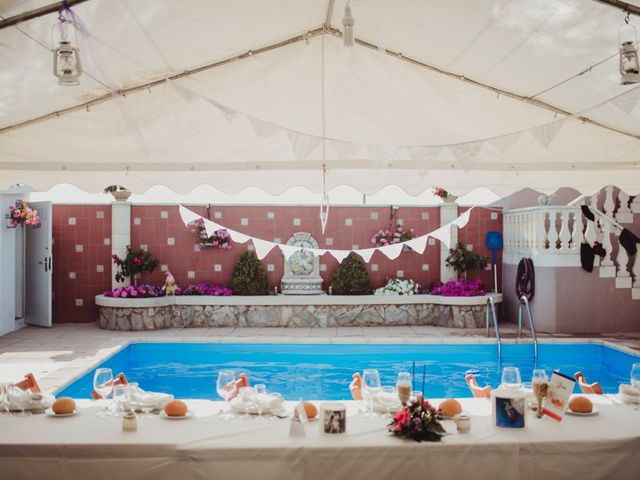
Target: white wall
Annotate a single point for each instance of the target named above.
(7, 267)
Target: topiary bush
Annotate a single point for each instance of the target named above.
(351, 277)
(464, 261)
(249, 276)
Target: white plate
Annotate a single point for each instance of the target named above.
(581, 414)
(51, 413)
(163, 414)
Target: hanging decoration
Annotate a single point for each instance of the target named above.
(629, 66)
(392, 251)
(66, 57)
(347, 26)
(22, 214)
(324, 203)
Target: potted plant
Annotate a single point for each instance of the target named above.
(22, 214)
(133, 264)
(249, 276)
(120, 193)
(220, 239)
(391, 236)
(464, 261)
(351, 277)
(444, 195)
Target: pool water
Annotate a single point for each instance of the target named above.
(189, 370)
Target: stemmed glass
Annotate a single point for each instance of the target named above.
(371, 387)
(388, 397)
(511, 377)
(635, 376)
(540, 387)
(261, 396)
(120, 397)
(103, 382)
(403, 386)
(225, 386)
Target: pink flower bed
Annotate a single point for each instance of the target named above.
(459, 288)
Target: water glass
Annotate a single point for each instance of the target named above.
(248, 397)
(225, 386)
(635, 376)
(371, 386)
(120, 397)
(511, 377)
(261, 396)
(404, 386)
(103, 382)
(388, 396)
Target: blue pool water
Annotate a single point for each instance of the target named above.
(189, 370)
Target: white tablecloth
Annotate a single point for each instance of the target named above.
(206, 446)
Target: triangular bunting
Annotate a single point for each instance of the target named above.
(289, 250)
(301, 144)
(238, 237)
(387, 153)
(211, 227)
(504, 143)
(263, 129)
(391, 251)
(628, 101)
(418, 244)
(229, 114)
(466, 153)
(187, 215)
(262, 247)
(545, 134)
(424, 154)
(318, 252)
(462, 220)
(443, 234)
(339, 254)
(366, 253)
(186, 94)
(344, 149)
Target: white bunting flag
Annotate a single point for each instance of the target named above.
(187, 215)
(418, 244)
(466, 153)
(186, 94)
(229, 114)
(391, 251)
(504, 143)
(318, 252)
(462, 220)
(344, 150)
(366, 253)
(424, 154)
(339, 254)
(443, 234)
(546, 134)
(211, 227)
(262, 247)
(302, 145)
(263, 129)
(238, 237)
(289, 250)
(628, 101)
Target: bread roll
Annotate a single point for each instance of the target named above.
(311, 410)
(175, 408)
(64, 405)
(450, 407)
(580, 405)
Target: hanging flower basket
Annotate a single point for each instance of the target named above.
(391, 236)
(118, 192)
(444, 195)
(22, 214)
(221, 239)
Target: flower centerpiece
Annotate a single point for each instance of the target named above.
(391, 236)
(135, 291)
(397, 286)
(459, 288)
(418, 421)
(220, 239)
(443, 194)
(22, 214)
(206, 288)
(133, 264)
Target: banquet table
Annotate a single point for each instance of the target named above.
(93, 446)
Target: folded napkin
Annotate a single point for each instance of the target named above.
(19, 399)
(384, 401)
(269, 404)
(629, 394)
(141, 400)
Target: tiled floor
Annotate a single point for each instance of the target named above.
(63, 353)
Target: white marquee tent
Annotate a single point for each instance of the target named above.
(498, 93)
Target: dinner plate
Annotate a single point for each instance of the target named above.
(582, 414)
(163, 414)
(51, 413)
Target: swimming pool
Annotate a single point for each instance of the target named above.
(189, 370)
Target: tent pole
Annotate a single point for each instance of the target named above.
(624, 6)
(37, 12)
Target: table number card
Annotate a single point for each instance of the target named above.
(298, 420)
(560, 389)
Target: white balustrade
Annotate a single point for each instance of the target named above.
(622, 259)
(636, 268)
(624, 203)
(609, 203)
(564, 236)
(607, 245)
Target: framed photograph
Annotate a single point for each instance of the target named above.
(334, 418)
(510, 412)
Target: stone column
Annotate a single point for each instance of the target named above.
(120, 234)
(448, 212)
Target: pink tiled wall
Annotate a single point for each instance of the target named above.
(81, 248)
(160, 228)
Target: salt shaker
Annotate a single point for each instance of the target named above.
(129, 422)
(464, 423)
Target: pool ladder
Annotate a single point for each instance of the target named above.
(524, 302)
(490, 308)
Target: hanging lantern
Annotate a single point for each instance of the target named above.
(66, 64)
(629, 65)
(347, 26)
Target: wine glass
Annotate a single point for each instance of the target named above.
(103, 382)
(371, 386)
(261, 396)
(511, 377)
(388, 396)
(635, 376)
(403, 386)
(225, 386)
(120, 397)
(540, 386)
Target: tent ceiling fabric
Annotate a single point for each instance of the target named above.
(163, 136)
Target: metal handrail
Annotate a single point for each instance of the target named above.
(491, 303)
(525, 301)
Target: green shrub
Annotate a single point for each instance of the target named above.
(249, 276)
(463, 261)
(351, 277)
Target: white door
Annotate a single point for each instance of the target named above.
(38, 264)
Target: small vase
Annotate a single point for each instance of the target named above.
(122, 196)
(450, 199)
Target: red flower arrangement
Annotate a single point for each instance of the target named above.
(220, 239)
(440, 192)
(418, 421)
(390, 236)
(134, 263)
(22, 214)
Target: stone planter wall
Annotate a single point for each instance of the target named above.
(184, 316)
